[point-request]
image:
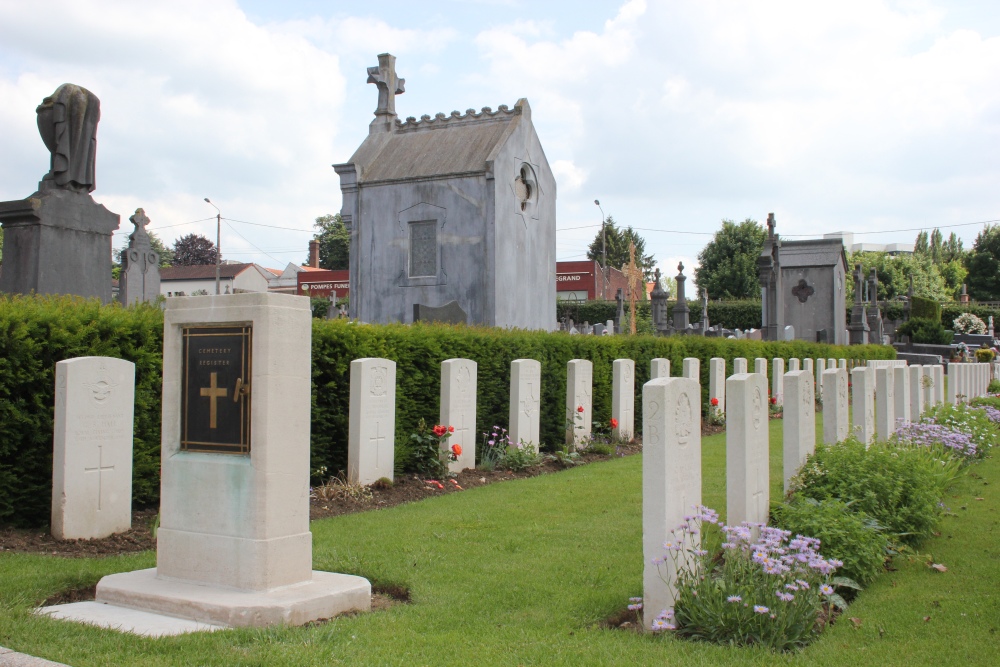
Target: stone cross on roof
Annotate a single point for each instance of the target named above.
(139, 237)
(771, 224)
(389, 85)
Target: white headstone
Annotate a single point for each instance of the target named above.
(671, 479)
(789, 333)
(831, 363)
(371, 442)
(525, 401)
(916, 375)
(717, 381)
(885, 402)
(799, 422)
(747, 460)
(836, 427)
(579, 394)
(820, 367)
(739, 366)
(901, 393)
(928, 386)
(623, 398)
(659, 368)
(92, 448)
(937, 374)
(793, 364)
(610, 324)
(863, 382)
(458, 409)
(778, 379)
(760, 366)
(842, 363)
(692, 369)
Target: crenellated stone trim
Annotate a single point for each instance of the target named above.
(503, 112)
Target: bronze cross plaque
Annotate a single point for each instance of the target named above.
(215, 403)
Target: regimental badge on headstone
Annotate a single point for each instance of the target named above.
(215, 405)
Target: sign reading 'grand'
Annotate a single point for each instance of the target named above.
(215, 406)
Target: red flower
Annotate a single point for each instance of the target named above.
(614, 423)
(439, 430)
(715, 402)
(456, 450)
(580, 409)
(451, 429)
(774, 401)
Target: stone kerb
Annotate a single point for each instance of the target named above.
(659, 368)
(371, 440)
(579, 394)
(820, 367)
(717, 381)
(747, 473)
(916, 376)
(459, 383)
(778, 379)
(671, 480)
(739, 366)
(92, 448)
(835, 420)
(692, 369)
(623, 399)
(864, 404)
(525, 401)
(901, 393)
(798, 423)
(885, 401)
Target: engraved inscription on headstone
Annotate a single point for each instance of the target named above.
(423, 248)
(215, 401)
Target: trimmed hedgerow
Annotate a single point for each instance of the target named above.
(36, 332)
(729, 314)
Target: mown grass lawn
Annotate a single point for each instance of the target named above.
(522, 572)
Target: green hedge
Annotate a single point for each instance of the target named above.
(952, 310)
(925, 309)
(35, 333)
(729, 314)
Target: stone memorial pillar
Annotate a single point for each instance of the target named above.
(659, 368)
(864, 404)
(778, 379)
(740, 366)
(692, 369)
(371, 440)
(92, 448)
(747, 472)
(525, 401)
(579, 394)
(901, 393)
(835, 420)
(234, 546)
(717, 381)
(885, 402)
(458, 408)
(623, 399)
(671, 480)
(799, 422)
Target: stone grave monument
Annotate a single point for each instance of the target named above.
(623, 398)
(747, 472)
(371, 440)
(58, 240)
(525, 401)
(836, 426)
(863, 381)
(92, 448)
(139, 280)
(885, 401)
(458, 409)
(717, 381)
(799, 422)
(579, 394)
(901, 393)
(659, 368)
(916, 375)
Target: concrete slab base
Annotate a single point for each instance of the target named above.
(123, 619)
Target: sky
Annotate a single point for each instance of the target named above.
(874, 117)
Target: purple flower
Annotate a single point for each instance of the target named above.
(760, 609)
(734, 598)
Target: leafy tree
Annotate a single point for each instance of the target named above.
(983, 264)
(728, 264)
(334, 242)
(618, 239)
(194, 250)
(894, 275)
(947, 255)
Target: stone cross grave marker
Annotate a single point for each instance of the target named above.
(139, 279)
(623, 398)
(885, 401)
(525, 401)
(659, 368)
(717, 381)
(92, 448)
(458, 409)
(747, 473)
(835, 420)
(579, 394)
(778, 379)
(371, 442)
(671, 480)
(901, 393)
(799, 422)
(864, 404)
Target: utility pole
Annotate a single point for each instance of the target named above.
(218, 245)
(604, 250)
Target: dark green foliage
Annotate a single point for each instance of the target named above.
(728, 263)
(194, 250)
(334, 242)
(925, 331)
(616, 244)
(951, 311)
(35, 333)
(983, 263)
(844, 534)
(984, 355)
(994, 388)
(729, 314)
(928, 309)
(892, 485)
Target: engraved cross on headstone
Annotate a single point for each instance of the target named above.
(377, 441)
(529, 404)
(803, 291)
(100, 469)
(389, 85)
(213, 392)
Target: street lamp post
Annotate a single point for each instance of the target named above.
(218, 245)
(604, 251)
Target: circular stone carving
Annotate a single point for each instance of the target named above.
(757, 408)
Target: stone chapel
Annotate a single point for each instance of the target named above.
(451, 214)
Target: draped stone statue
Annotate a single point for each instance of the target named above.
(67, 121)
